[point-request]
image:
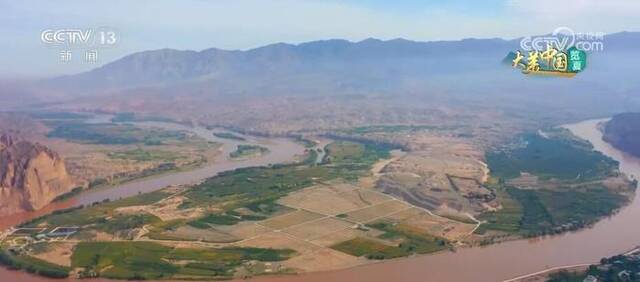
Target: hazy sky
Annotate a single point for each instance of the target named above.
(239, 24)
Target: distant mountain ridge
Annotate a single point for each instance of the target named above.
(340, 61)
(166, 66)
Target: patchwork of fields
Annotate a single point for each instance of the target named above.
(306, 217)
(335, 214)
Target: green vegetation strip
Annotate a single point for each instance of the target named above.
(146, 260)
(107, 133)
(32, 265)
(230, 136)
(248, 150)
(222, 219)
(557, 157)
(569, 194)
(96, 215)
(142, 155)
(412, 242)
(255, 190)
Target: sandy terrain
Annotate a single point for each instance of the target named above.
(420, 220)
(166, 209)
(332, 199)
(88, 162)
(245, 229)
(318, 228)
(279, 240)
(376, 211)
(312, 220)
(323, 259)
(441, 174)
(207, 235)
(57, 253)
(293, 218)
(369, 182)
(345, 235)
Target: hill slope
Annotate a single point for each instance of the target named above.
(31, 175)
(623, 132)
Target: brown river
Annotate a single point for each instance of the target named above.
(500, 262)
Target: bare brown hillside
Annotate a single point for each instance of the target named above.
(31, 175)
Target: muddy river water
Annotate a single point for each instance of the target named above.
(281, 150)
(610, 236)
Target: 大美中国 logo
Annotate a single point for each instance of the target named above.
(563, 53)
(550, 61)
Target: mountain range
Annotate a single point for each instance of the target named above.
(470, 71)
(167, 66)
(398, 56)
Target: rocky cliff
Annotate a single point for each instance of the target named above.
(31, 175)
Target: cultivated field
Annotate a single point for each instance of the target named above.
(292, 218)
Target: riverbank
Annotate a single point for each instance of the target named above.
(238, 193)
(500, 262)
(503, 261)
(281, 150)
